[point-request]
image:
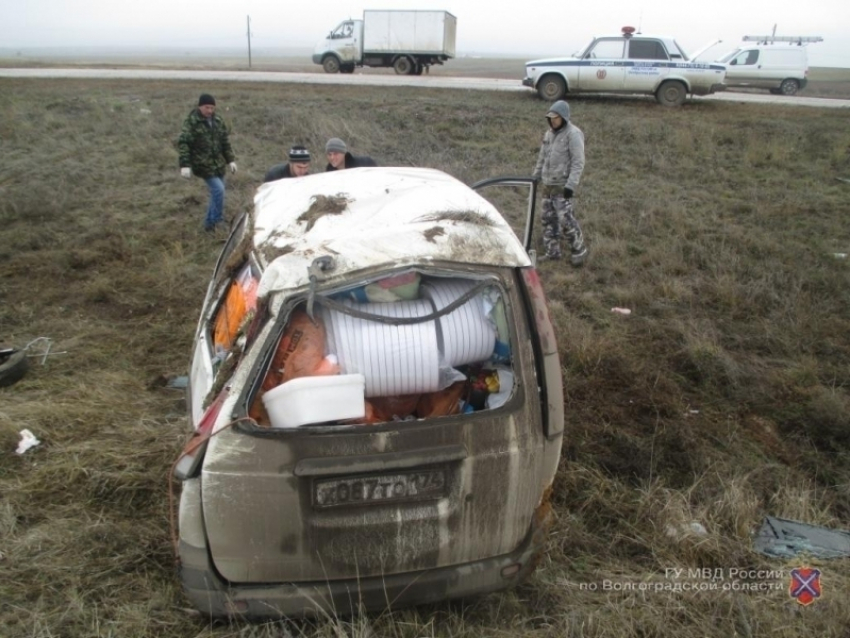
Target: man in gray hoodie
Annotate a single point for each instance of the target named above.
(558, 170)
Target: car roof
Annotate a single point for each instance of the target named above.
(374, 217)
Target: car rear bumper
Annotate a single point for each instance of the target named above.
(317, 58)
(528, 82)
(218, 599)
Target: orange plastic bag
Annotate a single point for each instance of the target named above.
(385, 408)
(241, 299)
(300, 353)
(441, 403)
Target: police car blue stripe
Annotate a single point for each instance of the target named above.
(663, 64)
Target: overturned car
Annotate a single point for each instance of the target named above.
(376, 399)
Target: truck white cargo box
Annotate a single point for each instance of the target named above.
(420, 31)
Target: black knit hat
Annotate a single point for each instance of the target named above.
(206, 98)
(299, 154)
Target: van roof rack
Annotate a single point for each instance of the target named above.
(799, 40)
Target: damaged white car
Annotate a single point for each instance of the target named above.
(376, 398)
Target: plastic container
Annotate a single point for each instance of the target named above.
(308, 400)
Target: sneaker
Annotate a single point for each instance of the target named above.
(578, 258)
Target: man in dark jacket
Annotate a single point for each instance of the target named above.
(339, 157)
(298, 165)
(205, 152)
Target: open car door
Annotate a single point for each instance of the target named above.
(514, 194)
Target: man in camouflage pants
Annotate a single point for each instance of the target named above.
(205, 151)
(558, 169)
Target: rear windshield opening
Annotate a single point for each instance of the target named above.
(400, 348)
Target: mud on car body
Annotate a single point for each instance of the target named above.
(438, 486)
(626, 63)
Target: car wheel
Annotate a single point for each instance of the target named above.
(418, 70)
(789, 87)
(671, 94)
(331, 64)
(403, 66)
(551, 87)
(13, 367)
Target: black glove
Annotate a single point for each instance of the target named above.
(568, 193)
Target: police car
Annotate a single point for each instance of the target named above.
(627, 63)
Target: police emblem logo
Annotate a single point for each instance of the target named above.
(601, 73)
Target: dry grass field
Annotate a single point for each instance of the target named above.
(722, 398)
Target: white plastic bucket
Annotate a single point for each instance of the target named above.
(308, 400)
(395, 360)
(466, 335)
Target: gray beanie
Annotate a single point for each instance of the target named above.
(559, 108)
(335, 145)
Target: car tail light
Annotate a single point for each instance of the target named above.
(538, 307)
(190, 458)
(547, 361)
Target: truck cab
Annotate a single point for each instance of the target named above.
(342, 49)
(626, 63)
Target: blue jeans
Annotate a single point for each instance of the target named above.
(215, 211)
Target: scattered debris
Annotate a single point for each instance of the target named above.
(783, 538)
(178, 382)
(694, 528)
(45, 344)
(840, 255)
(621, 311)
(843, 179)
(13, 365)
(28, 440)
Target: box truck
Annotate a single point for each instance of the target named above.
(407, 41)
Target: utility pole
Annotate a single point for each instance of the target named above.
(249, 42)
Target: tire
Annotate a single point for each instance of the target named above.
(775, 91)
(403, 66)
(671, 93)
(13, 367)
(789, 87)
(418, 70)
(551, 87)
(331, 64)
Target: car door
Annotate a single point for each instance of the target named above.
(603, 70)
(743, 68)
(647, 58)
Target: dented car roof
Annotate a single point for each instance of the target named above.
(368, 217)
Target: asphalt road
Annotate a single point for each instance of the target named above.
(366, 79)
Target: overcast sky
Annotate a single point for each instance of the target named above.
(533, 28)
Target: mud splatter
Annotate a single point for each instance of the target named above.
(464, 216)
(321, 205)
(431, 233)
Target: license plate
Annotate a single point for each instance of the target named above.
(417, 485)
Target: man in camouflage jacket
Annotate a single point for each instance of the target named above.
(559, 167)
(205, 152)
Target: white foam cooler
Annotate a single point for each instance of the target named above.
(307, 400)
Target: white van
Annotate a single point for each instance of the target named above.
(783, 70)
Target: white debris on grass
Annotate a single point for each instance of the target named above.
(28, 440)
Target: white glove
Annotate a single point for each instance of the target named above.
(186, 172)
(232, 166)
